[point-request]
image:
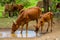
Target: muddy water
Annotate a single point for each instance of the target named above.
(7, 34)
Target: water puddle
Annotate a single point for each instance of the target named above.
(7, 34)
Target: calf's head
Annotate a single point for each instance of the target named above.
(36, 28)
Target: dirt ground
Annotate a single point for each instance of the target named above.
(55, 35)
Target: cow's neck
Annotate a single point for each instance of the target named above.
(18, 23)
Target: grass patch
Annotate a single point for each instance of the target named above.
(1, 10)
(6, 22)
(0, 14)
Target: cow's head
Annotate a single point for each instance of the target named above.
(14, 27)
(20, 7)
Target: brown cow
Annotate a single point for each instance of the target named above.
(10, 8)
(25, 17)
(47, 17)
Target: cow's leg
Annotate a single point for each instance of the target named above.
(26, 29)
(22, 28)
(51, 23)
(9, 14)
(27, 20)
(48, 26)
(37, 21)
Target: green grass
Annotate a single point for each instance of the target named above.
(1, 10)
(6, 22)
(0, 14)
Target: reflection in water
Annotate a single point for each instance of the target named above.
(7, 34)
(26, 34)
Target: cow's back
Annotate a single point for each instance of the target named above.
(28, 15)
(33, 13)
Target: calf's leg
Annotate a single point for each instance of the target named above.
(48, 27)
(41, 28)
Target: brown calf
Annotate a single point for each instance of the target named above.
(25, 17)
(47, 17)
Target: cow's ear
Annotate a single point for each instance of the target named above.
(14, 22)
